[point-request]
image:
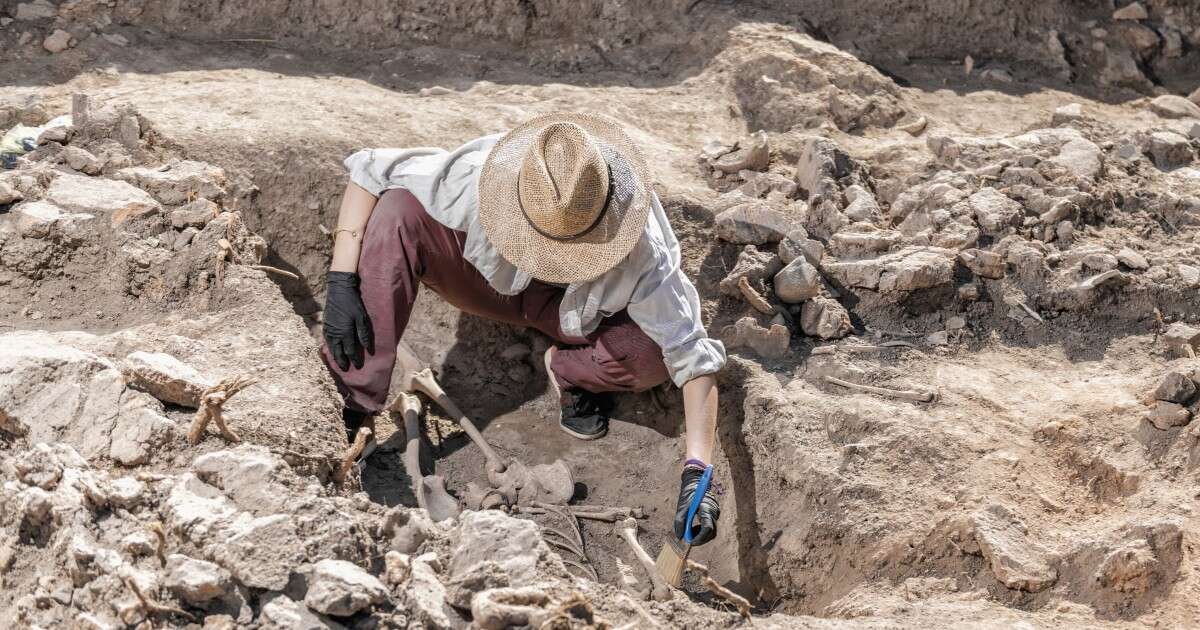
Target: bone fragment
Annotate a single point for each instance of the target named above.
(738, 601)
(275, 270)
(351, 456)
(211, 403)
(753, 297)
(152, 607)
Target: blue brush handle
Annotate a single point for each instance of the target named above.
(701, 488)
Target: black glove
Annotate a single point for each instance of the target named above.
(706, 515)
(347, 328)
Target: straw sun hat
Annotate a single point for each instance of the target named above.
(564, 197)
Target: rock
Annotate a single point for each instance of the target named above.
(909, 269)
(862, 206)
(1195, 96)
(484, 576)
(1067, 114)
(1065, 232)
(260, 552)
(53, 392)
(36, 219)
(825, 318)
(36, 10)
(116, 39)
(1169, 150)
(753, 265)
(165, 377)
(752, 223)
(769, 343)
(126, 492)
(1059, 211)
(1134, 11)
(752, 153)
(956, 323)
(1194, 132)
(1188, 274)
(1165, 415)
(340, 588)
(1176, 387)
(1129, 569)
(178, 182)
(196, 214)
(994, 211)
(1142, 39)
(514, 544)
(846, 243)
(118, 201)
(426, 598)
(1182, 339)
(1081, 157)
(1013, 558)
(797, 282)
(184, 238)
(249, 474)
(40, 468)
(760, 185)
(8, 194)
(939, 338)
(57, 133)
(1173, 106)
(283, 613)
(58, 41)
(140, 429)
(82, 160)
(984, 264)
(791, 247)
(196, 581)
(822, 163)
(1132, 259)
(1099, 262)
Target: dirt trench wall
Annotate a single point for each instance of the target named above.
(558, 24)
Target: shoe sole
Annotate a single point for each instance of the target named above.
(582, 436)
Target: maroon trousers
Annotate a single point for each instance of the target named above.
(404, 248)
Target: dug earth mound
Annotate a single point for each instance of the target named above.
(954, 261)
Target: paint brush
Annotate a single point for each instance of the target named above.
(673, 558)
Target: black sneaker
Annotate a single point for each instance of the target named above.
(584, 414)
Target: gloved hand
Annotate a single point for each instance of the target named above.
(705, 527)
(347, 327)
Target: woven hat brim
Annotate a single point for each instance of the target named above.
(557, 261)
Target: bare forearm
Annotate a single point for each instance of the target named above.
(357, 205)
(700, 417)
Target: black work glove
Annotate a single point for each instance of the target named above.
(705, 527)
(347, 328)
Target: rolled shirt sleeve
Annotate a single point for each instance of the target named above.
(666, 307)
(377, 170)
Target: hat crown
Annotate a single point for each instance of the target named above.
(563, 181)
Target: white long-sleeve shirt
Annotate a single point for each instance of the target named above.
(648, 282)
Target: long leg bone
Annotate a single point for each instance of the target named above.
(430, 490)
(410, 408)
(424, 382)
(882, 391)
(658, 587)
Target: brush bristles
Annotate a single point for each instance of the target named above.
(670, 564)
